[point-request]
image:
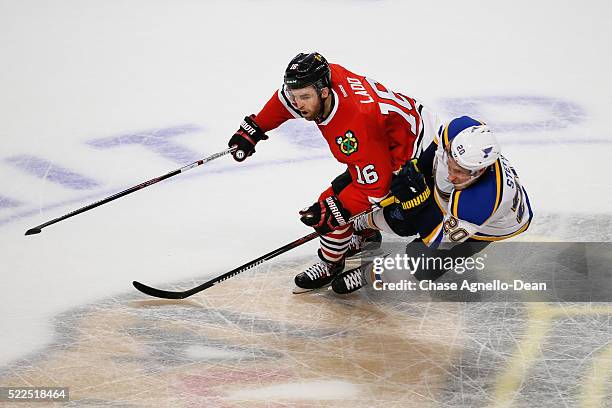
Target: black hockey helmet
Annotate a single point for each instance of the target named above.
(308, 69)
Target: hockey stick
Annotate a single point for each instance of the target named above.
(166, 294)
(38, 229)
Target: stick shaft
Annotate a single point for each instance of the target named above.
(133, 189)
(166, 294)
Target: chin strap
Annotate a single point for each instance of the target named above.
(320, 118)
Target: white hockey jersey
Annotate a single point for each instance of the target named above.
(495, 207)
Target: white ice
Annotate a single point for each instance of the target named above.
(75, 71)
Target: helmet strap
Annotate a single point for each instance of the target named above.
(321, 116)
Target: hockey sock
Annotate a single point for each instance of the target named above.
(335, 244)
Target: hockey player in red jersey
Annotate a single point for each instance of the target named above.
(367, 127)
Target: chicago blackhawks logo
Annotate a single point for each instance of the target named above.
(348, 143)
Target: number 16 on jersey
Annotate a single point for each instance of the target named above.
(367, 175)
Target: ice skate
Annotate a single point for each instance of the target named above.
(364, 244)
(351, 280)
(317, 276)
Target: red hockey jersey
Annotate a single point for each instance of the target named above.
(371, 129)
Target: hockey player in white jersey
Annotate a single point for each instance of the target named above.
(477, 198)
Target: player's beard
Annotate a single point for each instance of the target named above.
(314, 114)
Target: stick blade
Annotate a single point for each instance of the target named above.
(33, 231)
(164, 294)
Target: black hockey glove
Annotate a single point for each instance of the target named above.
(245, 138)
(410, 189)
(326, 215)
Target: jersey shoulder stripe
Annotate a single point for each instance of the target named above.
(479, 201)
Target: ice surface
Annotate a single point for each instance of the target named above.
(99, 96)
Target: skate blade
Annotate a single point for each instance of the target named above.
(365, 254)
(297, 290)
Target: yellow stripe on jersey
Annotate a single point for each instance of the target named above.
(433, 234)
(455, 203)
(498, 190)
(445, 140)
(498, 179)
(501, 237)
